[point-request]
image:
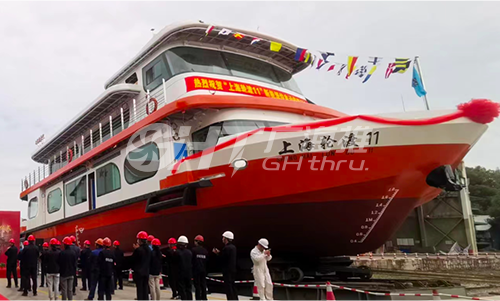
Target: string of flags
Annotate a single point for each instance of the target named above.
(352, 67)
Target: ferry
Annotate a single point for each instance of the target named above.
(205, 130)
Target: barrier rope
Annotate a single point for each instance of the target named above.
(345, 288)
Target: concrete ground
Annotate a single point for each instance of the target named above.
(128, 293)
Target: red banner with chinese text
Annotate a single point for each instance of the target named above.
(213, 84)
(10, 227)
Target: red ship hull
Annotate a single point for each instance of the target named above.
(324, 213)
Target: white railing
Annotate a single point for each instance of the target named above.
(99, 133)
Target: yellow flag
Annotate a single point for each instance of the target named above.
(275, 46)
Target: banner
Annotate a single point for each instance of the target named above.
(10, 227)
(206, 83)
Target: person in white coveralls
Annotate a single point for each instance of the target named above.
(260, 255)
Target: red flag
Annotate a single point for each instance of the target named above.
(351, 62)
(238, 35)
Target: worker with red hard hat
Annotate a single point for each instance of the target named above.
(155, 270)
(67, 268)
(150, 239)
(106, 261)
(172, 266)
(84, 263)
(30, 255)
(53, 274)
(43, 261)
(141, 259)
(94, 267)
(77, 251)
(200, 256)
(11, 254)
(118, 271)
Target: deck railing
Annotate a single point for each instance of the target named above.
(99, 133)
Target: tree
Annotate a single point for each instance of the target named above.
(484, 188)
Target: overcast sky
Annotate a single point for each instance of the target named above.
(55, 58)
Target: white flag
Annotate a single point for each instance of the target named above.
(225, 31)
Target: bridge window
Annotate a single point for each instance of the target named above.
(54, 200)
(142, 163)
(33, 208)
(189, 59)
(209, 136)
(185, 59)
(154, 72)
(76, 191)
(108, 179)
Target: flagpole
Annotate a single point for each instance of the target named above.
(417, 63)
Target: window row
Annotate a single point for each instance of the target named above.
(187, 59)
(140, 164)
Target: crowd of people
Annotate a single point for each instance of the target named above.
(102, 267)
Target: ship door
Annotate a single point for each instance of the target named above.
(91, 189)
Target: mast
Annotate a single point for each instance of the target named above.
(417, 64)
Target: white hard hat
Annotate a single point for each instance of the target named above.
(264, 242)
(182, 239)
(228, 235)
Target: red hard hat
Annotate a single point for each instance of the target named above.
(25, 243)
(87, 242)
(12, 241)
(53, 241)
(99, 242)
(58, 242)
(199, 238)
(142, 235)
(116, 243)
(172, 241)
(45, 244)
(31, 238)
(107, 242)
(67, 241)
(156, 242)
(150, 238)
(73, 239)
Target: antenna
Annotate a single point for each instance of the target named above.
(403, 102)
(153, 31)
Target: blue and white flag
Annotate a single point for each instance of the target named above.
(416, 83)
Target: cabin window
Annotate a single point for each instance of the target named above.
(142, 163)
(54, 200)
(132, 79)
(154, 72)
(185, 59)
(33, 208)
(76, 191)
(108, 179)
(209, 136)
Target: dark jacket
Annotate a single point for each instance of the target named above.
(67, 262)
(106, 261)
(52, 258)
(200, 255)
(228, 258)
(30, 256)
(11, 254)
(93, 262)
(185, 263)
(77, 251)
(85, 257)
(22, 264)
(172, 260)
(156, 260)
(118, 257)
(141, 259)
(43, 259)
